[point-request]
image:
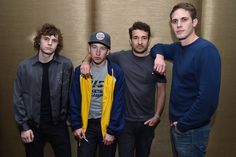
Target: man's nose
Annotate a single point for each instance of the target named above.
(140, 41)
(98, 53)
(179, 23)
(50, 42)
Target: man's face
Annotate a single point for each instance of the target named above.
(98, 53)
(139, 41)
(48, 44)
(182, 24)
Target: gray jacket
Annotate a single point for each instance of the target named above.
(27, 90)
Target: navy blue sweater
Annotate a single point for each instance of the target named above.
(195, 81)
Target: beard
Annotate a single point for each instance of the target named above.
(140, 51)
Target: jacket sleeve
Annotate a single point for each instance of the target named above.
(117, 120)
(75, 101)
(18, 102)
(67, 77)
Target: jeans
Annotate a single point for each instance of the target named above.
(56, 135)
(192, 143)
(94, 137)
(135, 140)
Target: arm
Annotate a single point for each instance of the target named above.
(159, 64)
(85, 67)
(66, 85)
(160, 104)
(161, 52)
(18, 101)
(75, 101)
(208, 73)
(27, 135)
(117, 113)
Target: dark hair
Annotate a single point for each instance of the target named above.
(186, 6)
(141, 26)
(49, 29)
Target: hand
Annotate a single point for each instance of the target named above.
(27, 136)
(85, 69)
(174, 125)
(108, 139)
(152, 121)
(159, 64)
(78, 133)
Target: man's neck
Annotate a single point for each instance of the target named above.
(144, 54)
(189, 40)
(100, 65)
(45, 58)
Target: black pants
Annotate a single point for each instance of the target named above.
(94, 137)
(56, 135)
(135, 140)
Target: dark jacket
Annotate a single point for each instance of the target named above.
(27, 90)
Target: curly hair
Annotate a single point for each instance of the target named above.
(141, 26)
(49, 29)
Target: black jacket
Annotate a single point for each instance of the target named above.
(27, 90)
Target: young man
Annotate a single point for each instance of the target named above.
(97, 115)
(195, 82)
(141, 88)
(41, 94)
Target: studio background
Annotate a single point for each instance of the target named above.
(78, 18)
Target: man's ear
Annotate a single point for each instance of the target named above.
(130, 42)
(195, 22)
(108, 52)
(89, 50)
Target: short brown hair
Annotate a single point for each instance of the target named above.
(186, 6)
(49, 29)
(141, 26)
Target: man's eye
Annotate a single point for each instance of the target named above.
(184, 19)
(103, 48)
(174, 21)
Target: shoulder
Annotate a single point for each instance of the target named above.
(121, 53)
(77, 70)
(28, 61)
(115, 67)
(207, 48)
(206, 53)
(63, 59)
(203, 43)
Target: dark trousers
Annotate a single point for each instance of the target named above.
(135, 140)
(56, 135)
(94, 137)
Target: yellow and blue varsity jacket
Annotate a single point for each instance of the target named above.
(112, 117)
